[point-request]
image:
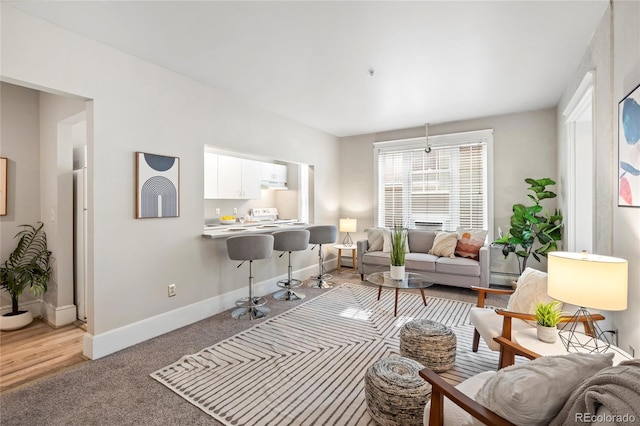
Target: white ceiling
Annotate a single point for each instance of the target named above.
(434, 61)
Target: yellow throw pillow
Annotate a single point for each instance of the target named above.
(444, 244)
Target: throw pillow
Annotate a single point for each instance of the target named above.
(375, 238)
(444, 244)
(386, 243)
(470, 241)
(530, 290)
(533, 393)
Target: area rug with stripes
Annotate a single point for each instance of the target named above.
(306, 366)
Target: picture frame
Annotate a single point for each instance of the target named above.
(629, 149)
(157, 186)
(4, 166)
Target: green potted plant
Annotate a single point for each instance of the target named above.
(547, 318)
(398, 249)
(532, 226)
(27, 268)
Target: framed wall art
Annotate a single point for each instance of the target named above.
(157, 186)
(3, 185)
(629, 149)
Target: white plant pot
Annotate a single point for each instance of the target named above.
(397, 272)
(14, 322)
(547, 334)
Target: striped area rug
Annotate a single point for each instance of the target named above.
(306, 366)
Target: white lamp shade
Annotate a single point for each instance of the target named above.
(348, 225)
(588, 280)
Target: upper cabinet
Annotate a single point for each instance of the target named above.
(210, 175)
(274, 175)
(238, 178)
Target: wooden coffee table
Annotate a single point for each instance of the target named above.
(410, 281)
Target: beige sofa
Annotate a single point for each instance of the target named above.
(459, 272)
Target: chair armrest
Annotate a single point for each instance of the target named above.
(483, 291)
(362, 247)
(440, 389)
(531, 317)
(483, 259)
(516, 348)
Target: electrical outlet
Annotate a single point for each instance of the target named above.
(172, 290)
(217, 210)
(235, 210)
(632, 351)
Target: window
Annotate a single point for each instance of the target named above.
(445, 188)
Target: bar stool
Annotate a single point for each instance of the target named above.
(250, 247)
(319, 235)
(288, 241)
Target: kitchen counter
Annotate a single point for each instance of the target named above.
(225, 231)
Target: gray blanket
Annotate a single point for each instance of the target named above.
(616, 389)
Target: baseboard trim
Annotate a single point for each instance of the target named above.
(58, 316)
(103, 344)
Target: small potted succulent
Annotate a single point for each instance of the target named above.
(398, 250)
(547, 318)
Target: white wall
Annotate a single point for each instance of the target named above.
(617, 71)
(141, 107)
(19, 142)
(524, 145)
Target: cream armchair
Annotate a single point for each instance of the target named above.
(490, 324)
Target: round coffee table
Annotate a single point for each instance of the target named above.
(410, 281)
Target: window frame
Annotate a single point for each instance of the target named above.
(449, 139)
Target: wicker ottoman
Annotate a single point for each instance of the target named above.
(430, 343)
(395, 392)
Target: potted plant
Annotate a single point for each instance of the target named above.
(547, 318)
(532, 225)
(398, 250)
(27, 268)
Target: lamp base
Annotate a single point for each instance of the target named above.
(347, 240)
(592, 340)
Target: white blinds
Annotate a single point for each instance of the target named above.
(447, 186)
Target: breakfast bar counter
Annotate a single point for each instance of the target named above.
(225, 231)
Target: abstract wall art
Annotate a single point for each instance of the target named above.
(629, 149)
(157, 186)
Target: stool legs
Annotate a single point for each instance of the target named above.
(321, 280)
(252, 307)
(288, 285)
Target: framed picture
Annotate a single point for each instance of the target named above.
(629, 150)
(157, 186)
(3, 186)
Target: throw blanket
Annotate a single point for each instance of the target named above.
(616, 389)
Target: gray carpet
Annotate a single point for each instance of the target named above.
(117, 389)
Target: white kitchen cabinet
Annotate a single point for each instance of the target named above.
(210, 176)
(238, 178)
(274, 173)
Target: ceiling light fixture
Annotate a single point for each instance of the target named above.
(371, 72)
(426, 137)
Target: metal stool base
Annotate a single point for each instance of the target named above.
(321, 283)
(245, 302)
(288, 295)
(256, 312)
(292, 283)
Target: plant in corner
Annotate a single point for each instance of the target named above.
(398, 247)
(532, 225)
(547, 318)
(27, 268)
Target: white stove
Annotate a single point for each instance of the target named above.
(268, 214)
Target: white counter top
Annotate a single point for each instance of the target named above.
(225, 231)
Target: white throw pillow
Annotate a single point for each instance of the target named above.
(444, 244)
(530, 290)
(533, 393)
(375, 238)
(386, 245)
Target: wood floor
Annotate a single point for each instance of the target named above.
(37, 351)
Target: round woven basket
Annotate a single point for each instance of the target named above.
(430, 343)
(395, 392)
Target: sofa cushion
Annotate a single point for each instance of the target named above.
(420, 262)
(533, 393)
(444, 244)
(374, 238)
(420, 241)
(458, 266)
(387, 235)
(376, 258)
(470, 241)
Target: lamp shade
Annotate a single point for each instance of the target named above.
(588, 280)
(348, 225)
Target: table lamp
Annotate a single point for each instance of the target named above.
(348, 225)
(588, 281)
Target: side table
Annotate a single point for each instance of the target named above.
(351, 247)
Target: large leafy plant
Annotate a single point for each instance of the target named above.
(534, 232)
(28, 265)
(398, 245)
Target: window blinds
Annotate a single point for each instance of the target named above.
(447, 186)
